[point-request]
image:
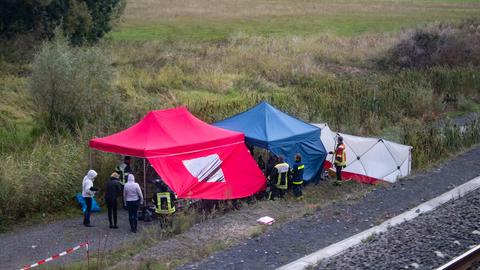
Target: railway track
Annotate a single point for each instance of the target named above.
(466, 261)
(433, 240)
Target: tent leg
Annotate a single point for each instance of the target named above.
(144, 182)
(410, 161)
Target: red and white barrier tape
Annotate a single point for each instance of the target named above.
(54, 257)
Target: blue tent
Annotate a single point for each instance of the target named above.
(269, 128)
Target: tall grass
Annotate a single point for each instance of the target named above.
(44, 177)
(41, 180)
(434, 143)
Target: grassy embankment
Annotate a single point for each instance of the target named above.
(321, 61)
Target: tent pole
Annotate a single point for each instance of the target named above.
(89, 158)
(144, 183)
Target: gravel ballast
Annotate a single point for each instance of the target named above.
(426, 242)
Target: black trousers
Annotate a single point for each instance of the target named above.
(278, 192)
(338, 170)
(273, 193)
(112, 212)
(297, 190)
(132, 207)
(86, 215)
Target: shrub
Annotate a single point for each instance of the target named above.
(443, 44)
(73, 87)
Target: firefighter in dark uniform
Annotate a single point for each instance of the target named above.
(124, 169)
(297, 177)
(279, 178)
(164, 200)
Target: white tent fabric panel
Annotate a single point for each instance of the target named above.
(328, 138)
(393, 176)
(357, 167)
(359, 145)
(371, 157)
(378, 161)
(348, 149)
(400, 152)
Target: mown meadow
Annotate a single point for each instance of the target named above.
(373, 68)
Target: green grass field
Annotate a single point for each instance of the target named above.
(207, 20)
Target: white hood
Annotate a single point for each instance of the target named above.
(90, 175)
(131, 178)
(87, 183)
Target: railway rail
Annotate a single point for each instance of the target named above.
(468, 260)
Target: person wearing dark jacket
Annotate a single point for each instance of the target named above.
(297, 177)
(279, 178)
(113, 191)
(163, 191)
(261, 163)
(272, 160)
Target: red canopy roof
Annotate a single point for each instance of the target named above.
(164, 132)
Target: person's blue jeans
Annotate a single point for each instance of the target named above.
(132, 207)
(86, 215)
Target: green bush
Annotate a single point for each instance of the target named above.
(73, 87)
(442, 44)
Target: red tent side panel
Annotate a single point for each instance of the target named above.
(225, 172)
(354, 176)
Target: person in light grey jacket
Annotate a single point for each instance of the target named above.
(132, 198)
(88, 191)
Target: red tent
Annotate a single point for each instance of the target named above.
(195, 159)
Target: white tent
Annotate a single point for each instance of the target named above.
(369, 159)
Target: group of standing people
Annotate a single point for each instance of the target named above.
(121, 182)
(280, 176)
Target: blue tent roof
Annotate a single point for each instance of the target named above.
(267, 127)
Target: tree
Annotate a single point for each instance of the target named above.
(81, 20)
(73, 87)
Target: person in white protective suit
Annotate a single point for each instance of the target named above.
(88, 192)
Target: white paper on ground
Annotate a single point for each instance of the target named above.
(266, 220)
